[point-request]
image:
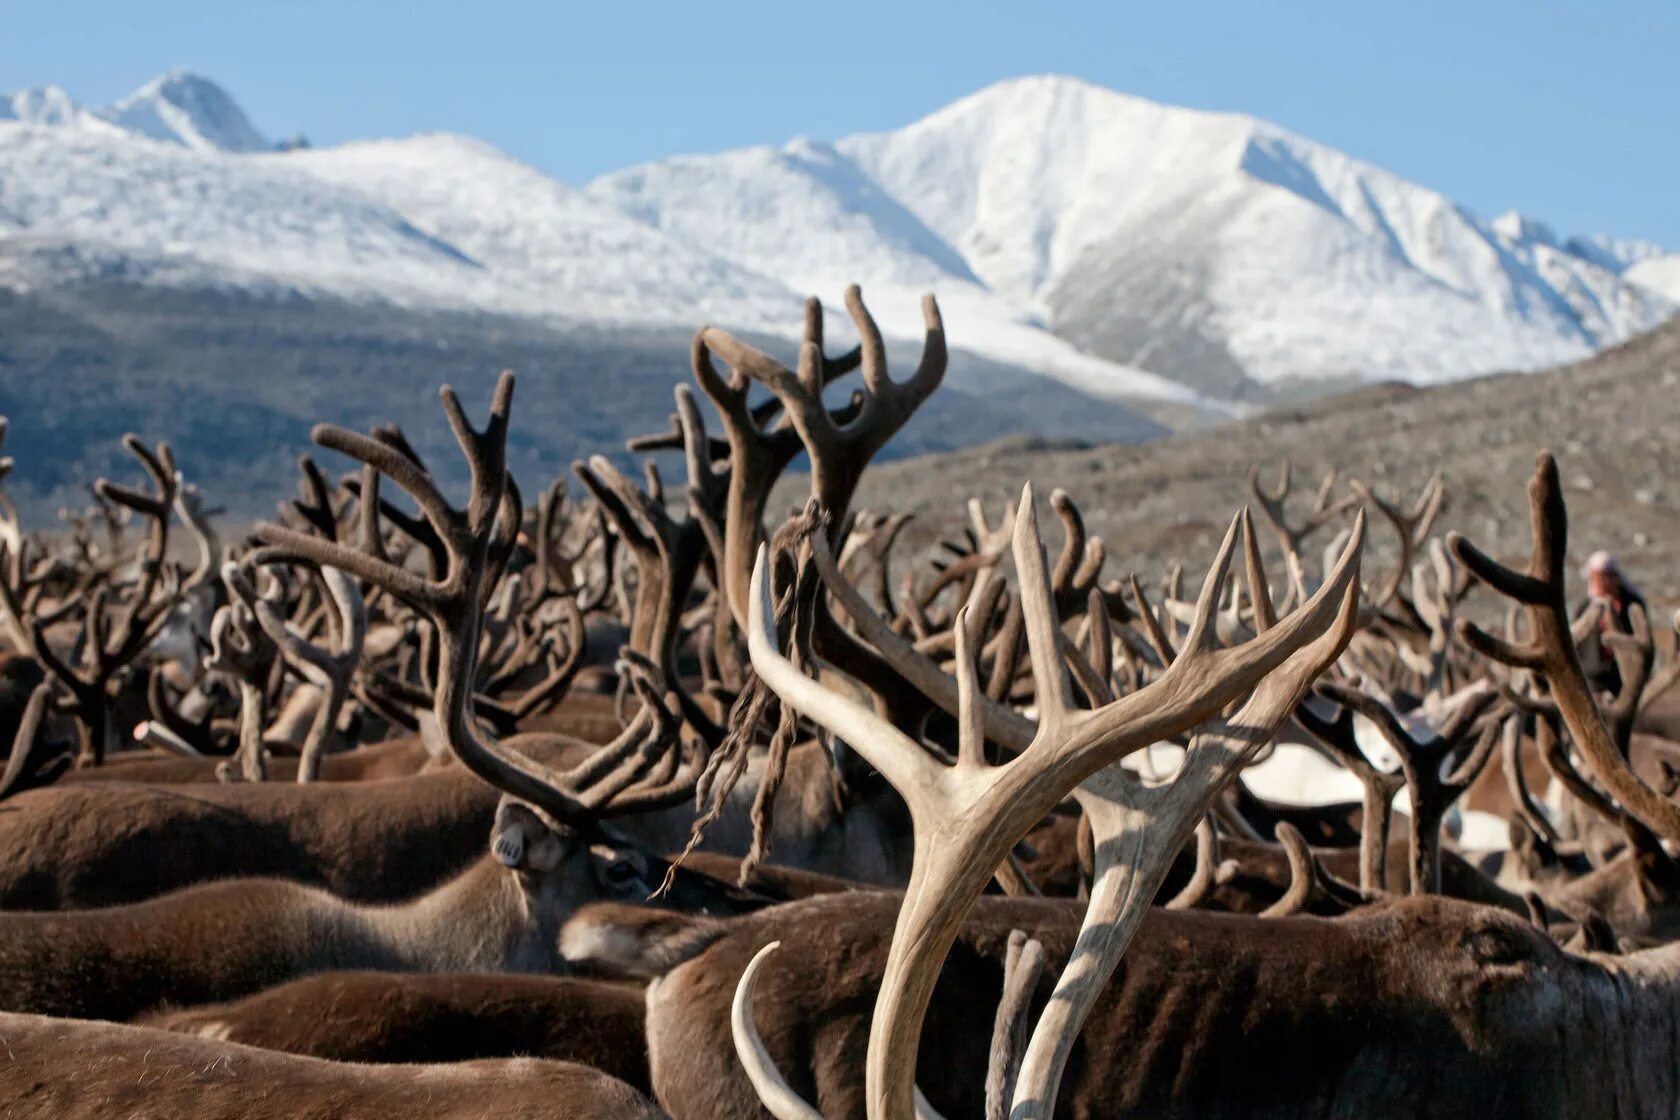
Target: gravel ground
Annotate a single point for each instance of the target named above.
(1611, 420)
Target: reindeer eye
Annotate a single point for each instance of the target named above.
(621, 873)
(1496, 945)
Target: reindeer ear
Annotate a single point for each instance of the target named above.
(521, 839)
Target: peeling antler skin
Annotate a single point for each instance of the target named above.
(966, 817)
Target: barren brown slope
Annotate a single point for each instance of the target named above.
(1613, 420)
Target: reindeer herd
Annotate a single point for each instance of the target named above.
(648, 803)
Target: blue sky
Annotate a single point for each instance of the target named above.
(1567, 111)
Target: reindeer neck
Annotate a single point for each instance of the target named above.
(479, 921)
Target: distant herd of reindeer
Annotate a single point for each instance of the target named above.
(1004, 815)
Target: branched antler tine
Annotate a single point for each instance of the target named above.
(971, 728)
(930, 371)
(622, 500)
(1007, 660)
(389, 461)
(1152, 623)
(1201, 633)
(1301, 873)
(136, 500)
(1468, 711)
(1023, 965)
(409, 586)
(1100, 639)
(486, 450)
(1358, 700)
(643, 749)
(1003, 724)
(1073, 540)
(1271, 502)
(1520, 655)
(641, 676)
(1260, 592)
(1523, 587)
(1050, 677)
(744, 362)
(1634, 654)
(367, 503)
(697, 454)
(1141, 824)
(1207, 865)
(1459, 779)
(873, 349)
(1428, 508)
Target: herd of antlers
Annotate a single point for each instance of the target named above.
(1033, 840)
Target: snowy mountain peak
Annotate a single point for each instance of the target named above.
(1516, 226)
(1125, 246)
(49, 105)
(187, 109)
(175, 108)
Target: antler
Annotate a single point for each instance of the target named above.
(328, 670)
(968, 815)
(1551, 650)
(475, 541)
(840, 444)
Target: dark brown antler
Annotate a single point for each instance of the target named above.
(33, 762)
(476, 540)
(840, 444)
(1379, 789)
(1464, 736)
(117, 623)
(1551, 651)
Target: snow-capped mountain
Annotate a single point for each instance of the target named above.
(1068, 230)
(1209, 247)
(178, 108)
(1659, 274)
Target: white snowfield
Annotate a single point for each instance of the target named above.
(1660, 274)
(1069, 230)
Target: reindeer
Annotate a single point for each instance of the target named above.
(550, 846)
(1481, 1012)
(435, 1017)
(110, 1071)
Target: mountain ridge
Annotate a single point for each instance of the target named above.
(1130, 249)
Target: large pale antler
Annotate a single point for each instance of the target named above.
(968, 815)
(1551, 650)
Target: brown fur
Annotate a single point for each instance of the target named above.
(218, 941)
(442, 1017)
(1424, 1007)
(58, 1068)
(101, 843)
(396, 758)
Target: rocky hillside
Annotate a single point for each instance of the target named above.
(1613, 421)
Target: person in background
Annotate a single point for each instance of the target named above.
(1610, 593)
